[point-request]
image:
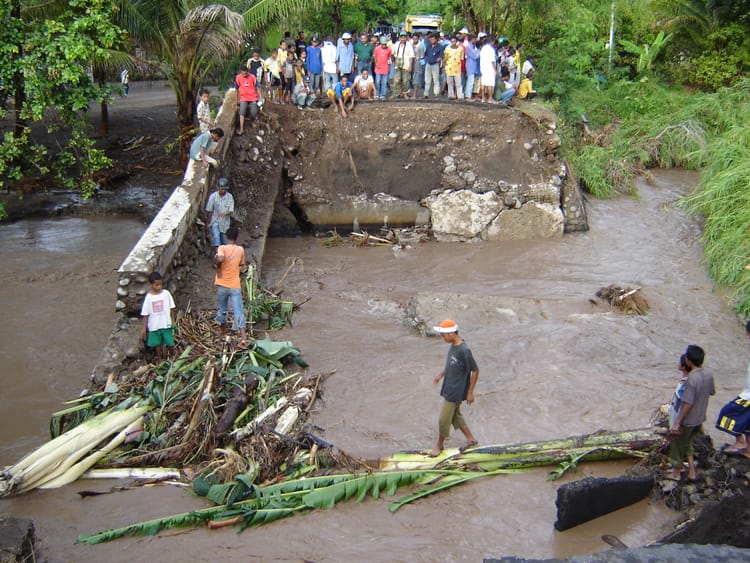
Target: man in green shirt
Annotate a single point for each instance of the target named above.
(363, 53)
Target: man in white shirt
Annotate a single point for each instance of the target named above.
(488, 68)
(328, 54)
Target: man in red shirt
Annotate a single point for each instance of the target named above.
(247, 95)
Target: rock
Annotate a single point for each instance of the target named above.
(532, 221)
(589, 498)
(17, 539)
(461, 214)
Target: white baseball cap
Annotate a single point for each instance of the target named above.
(346, 35)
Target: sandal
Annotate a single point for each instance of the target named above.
(468, 446)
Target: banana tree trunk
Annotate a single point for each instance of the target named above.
(602, 445)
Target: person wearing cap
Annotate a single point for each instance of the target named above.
(247, 96)
(382, 56)
(403, 56)
(363, 53)
(433, 57)
(315, 64)
(303, 96)
(220, 206)
(459, 378)
(345, 56)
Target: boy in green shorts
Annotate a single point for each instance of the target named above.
(157, 317)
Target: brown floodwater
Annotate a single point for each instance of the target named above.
(564, 366)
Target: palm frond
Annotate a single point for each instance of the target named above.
(266, 12)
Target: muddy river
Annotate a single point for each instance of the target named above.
(567, 366)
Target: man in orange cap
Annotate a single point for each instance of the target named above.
(459, 379)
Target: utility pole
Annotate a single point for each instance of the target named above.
(612, 36)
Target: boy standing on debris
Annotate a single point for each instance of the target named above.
(459, 379)
(157, 317)
(694, 402)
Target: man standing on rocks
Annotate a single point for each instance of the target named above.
(459, 379)
(220, 206)
(688, 424)
(247, 96)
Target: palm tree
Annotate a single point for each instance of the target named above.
(186, 37)
(189, 37)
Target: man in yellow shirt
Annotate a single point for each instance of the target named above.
(526, 89)
(454, 55)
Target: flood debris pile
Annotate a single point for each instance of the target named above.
(209, 408)
(628, 300)
(397, 238)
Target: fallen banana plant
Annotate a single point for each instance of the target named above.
(67, 457)
(246, 504)
(249, 505)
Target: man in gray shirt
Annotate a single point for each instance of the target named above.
(688, 424)
(459, 378)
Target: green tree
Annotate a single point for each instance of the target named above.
(186, 37)
(46, 50)
(711, 46)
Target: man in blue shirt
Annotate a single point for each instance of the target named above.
(341, 95)
(204, 144)
(345, 56)
(433, 57)
(315, 64)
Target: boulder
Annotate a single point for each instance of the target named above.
(532, 221)
(461, 214)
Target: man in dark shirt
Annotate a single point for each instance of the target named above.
(688, 424)
(459, 379)
(433, 57)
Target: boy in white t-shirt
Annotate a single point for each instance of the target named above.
(364, 85)
(157, 317)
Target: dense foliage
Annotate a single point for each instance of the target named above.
(46, 52)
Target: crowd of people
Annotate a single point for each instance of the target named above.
(369, 67)
(372, 67)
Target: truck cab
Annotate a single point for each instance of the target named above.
(423, 23)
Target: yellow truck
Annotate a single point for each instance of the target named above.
(423, 23)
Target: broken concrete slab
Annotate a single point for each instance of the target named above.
(589, 498)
